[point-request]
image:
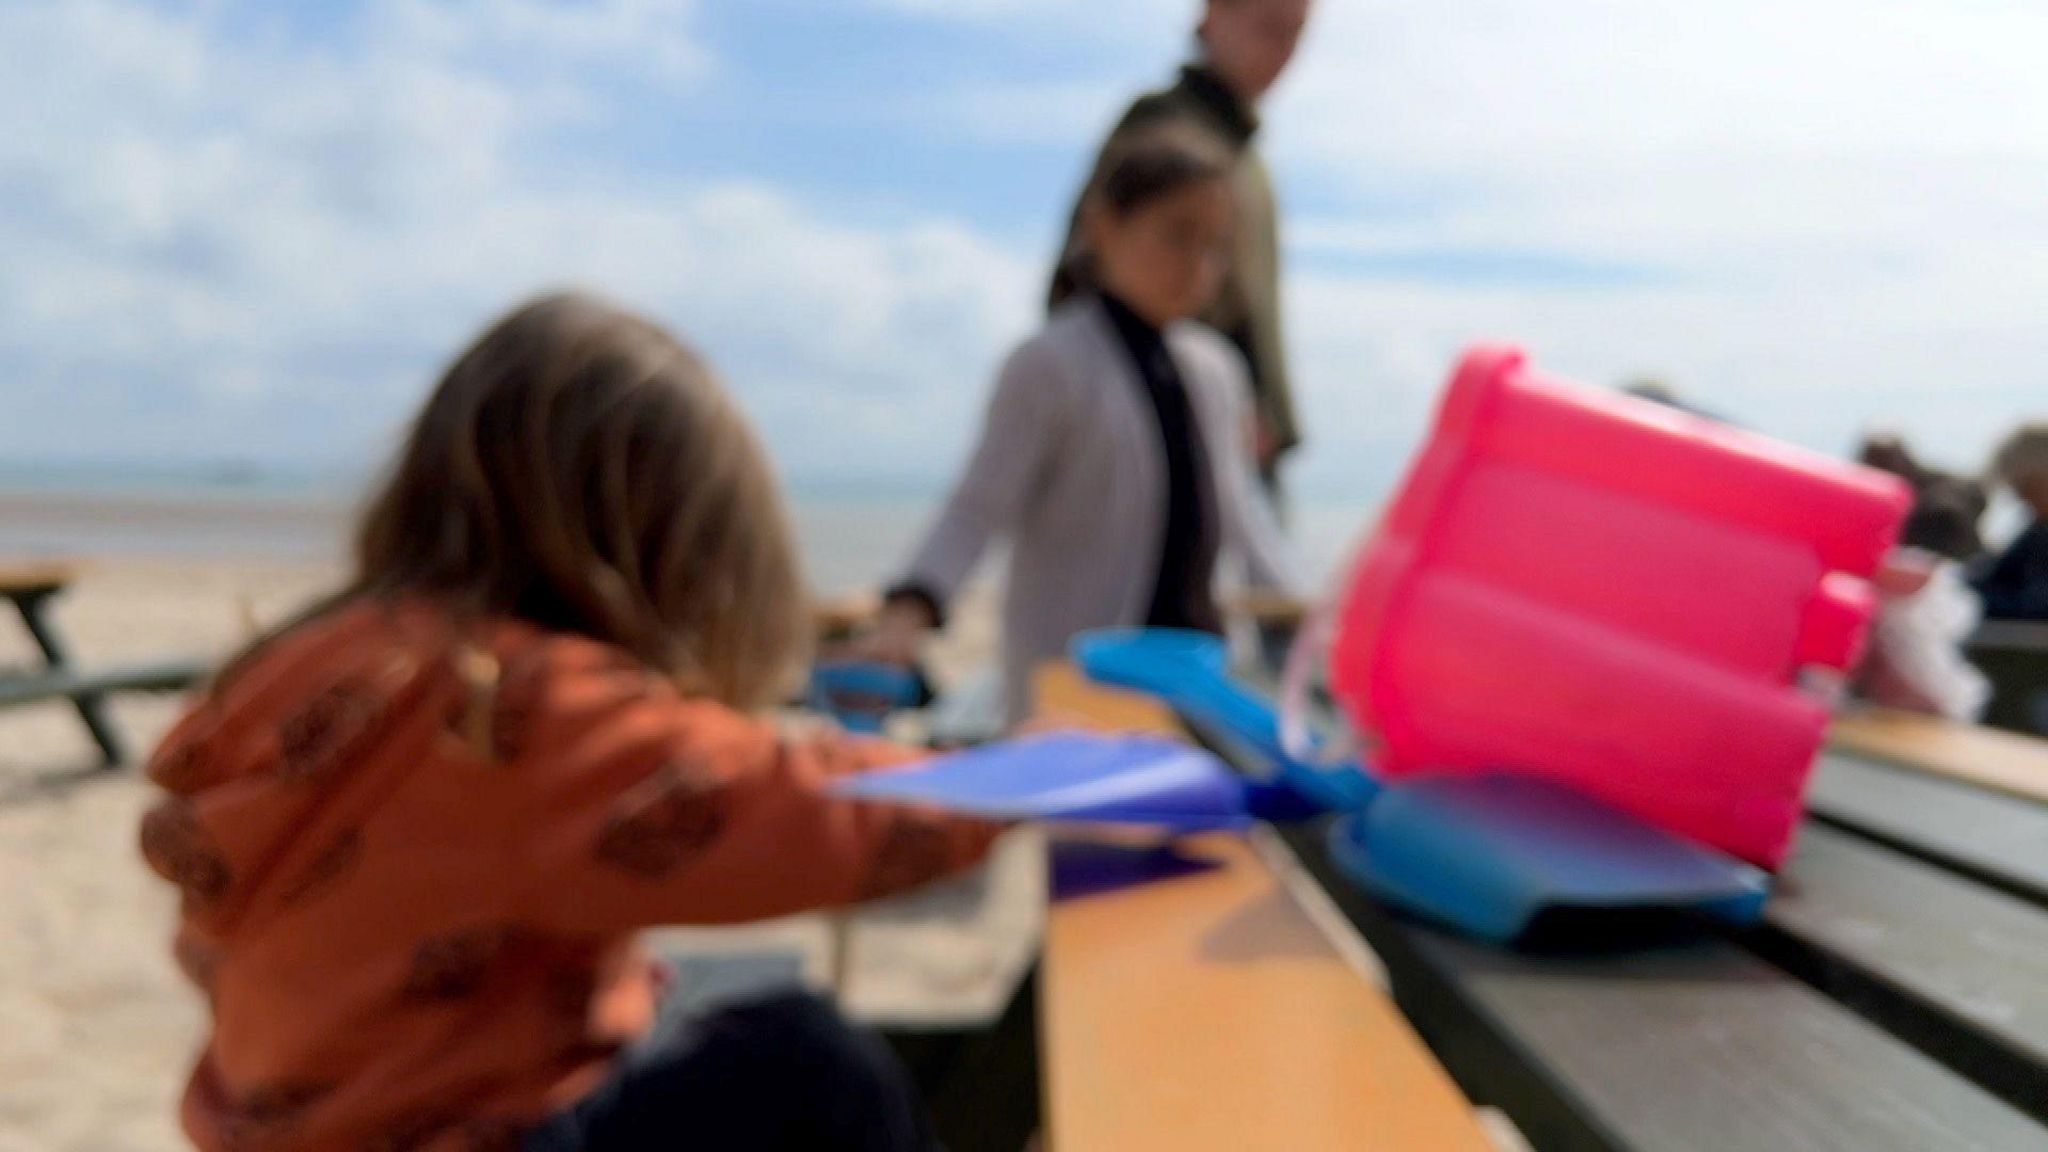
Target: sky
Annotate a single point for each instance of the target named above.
(250, 232)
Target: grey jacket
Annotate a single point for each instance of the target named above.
(1070, 469)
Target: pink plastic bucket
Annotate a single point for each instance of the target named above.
(1602, 591)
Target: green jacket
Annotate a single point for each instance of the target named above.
(1248, 309)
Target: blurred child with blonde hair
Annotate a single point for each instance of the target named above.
(416, 830)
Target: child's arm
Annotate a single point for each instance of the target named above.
(1016, 434)
(676, 812)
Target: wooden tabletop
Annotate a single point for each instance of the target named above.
(1211, 1011)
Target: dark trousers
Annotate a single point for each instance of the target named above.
(982, 1086)
(786, 1072)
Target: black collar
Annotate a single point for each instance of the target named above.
(1208, 90)
(1139, 334)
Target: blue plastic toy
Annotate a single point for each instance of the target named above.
(1486, 854)
(860, 695)
(1073, 777)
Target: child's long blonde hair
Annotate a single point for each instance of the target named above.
(580, 468)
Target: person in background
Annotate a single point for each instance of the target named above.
(1925, 609)
(1244, 47)
(1947, 508)
(1117, 451)
(416, 830)
(2014, 586)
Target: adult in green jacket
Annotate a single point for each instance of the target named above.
(1245, 45)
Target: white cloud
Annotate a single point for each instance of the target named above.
(277, 248)
(216, 244)
(655, 38)
(1845, 197)
(1143, 17)
(1023, 112)
(1817, 214)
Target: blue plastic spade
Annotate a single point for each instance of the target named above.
(1486, 854)
(1073, 777)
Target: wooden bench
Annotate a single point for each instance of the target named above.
(30, 588)
(1966, 829)
(1891, 1001)
(1215, 1010)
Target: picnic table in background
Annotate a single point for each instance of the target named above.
(31, 588)
(2013, 655)
(837, 618)
(1895, 999)
(1222, 1008)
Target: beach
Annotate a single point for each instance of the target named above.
(96, 1026)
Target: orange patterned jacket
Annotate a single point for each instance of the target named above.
(412, 864)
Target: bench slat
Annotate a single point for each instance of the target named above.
(1670, 1048)
(33, 687)
(1963, 827)
(2009, 635)
(1210, 1012)
(1960, 969)
(1985, 757)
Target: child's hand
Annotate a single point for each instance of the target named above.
(897, 637)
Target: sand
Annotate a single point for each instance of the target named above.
(97, 1029)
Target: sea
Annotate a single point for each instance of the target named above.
(852, 536)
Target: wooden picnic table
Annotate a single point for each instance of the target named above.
(838, 617)
(1896, 998)
(1223, 1009)
(30, 588)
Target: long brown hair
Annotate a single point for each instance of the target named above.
(581, 468)
(1143, 169)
